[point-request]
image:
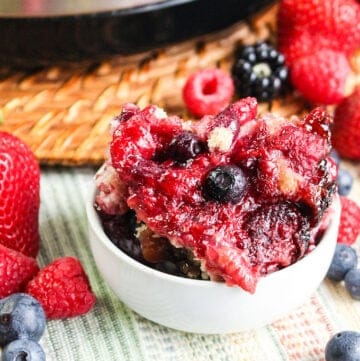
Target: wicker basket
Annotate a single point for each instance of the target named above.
(63, 113)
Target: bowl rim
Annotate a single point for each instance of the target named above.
(94, 223)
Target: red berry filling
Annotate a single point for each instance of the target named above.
(247, 203)
(208, 92)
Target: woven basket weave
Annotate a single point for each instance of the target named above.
(63, 112)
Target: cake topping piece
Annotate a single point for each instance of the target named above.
(220, 138)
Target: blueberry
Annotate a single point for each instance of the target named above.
(335, 156)
(345, 182)
(343, 346)
(225, 183)
(184, 146)
(21, 316)
(23, 350)
(352, 283)
(344, 259)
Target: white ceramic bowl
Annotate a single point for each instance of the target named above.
(205, 306)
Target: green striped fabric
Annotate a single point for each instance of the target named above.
(111, 331)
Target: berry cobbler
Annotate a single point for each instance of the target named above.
(231, 197)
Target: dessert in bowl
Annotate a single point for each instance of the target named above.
(219, 225)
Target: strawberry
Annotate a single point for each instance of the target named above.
(349, 228)
(327, 84)
(298, 45)
(19, 194)
(62, 288)
(346, 128)
(335, 23)
(16, 270)
(311, 30)
(302, 43)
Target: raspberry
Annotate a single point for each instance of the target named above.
(321, 77)
(19, 194)
(63, 289)
(208, 92)
(349, 228)
(260, 71)
(16, 270)
(268, 177)
(346, 128)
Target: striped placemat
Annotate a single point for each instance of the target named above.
(111, 331)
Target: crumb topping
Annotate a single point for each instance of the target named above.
(288, 179)
(220, 139)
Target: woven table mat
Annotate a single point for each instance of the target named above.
(63, 112)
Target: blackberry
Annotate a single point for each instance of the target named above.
(259, 70)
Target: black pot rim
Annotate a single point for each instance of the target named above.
(42, 40)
